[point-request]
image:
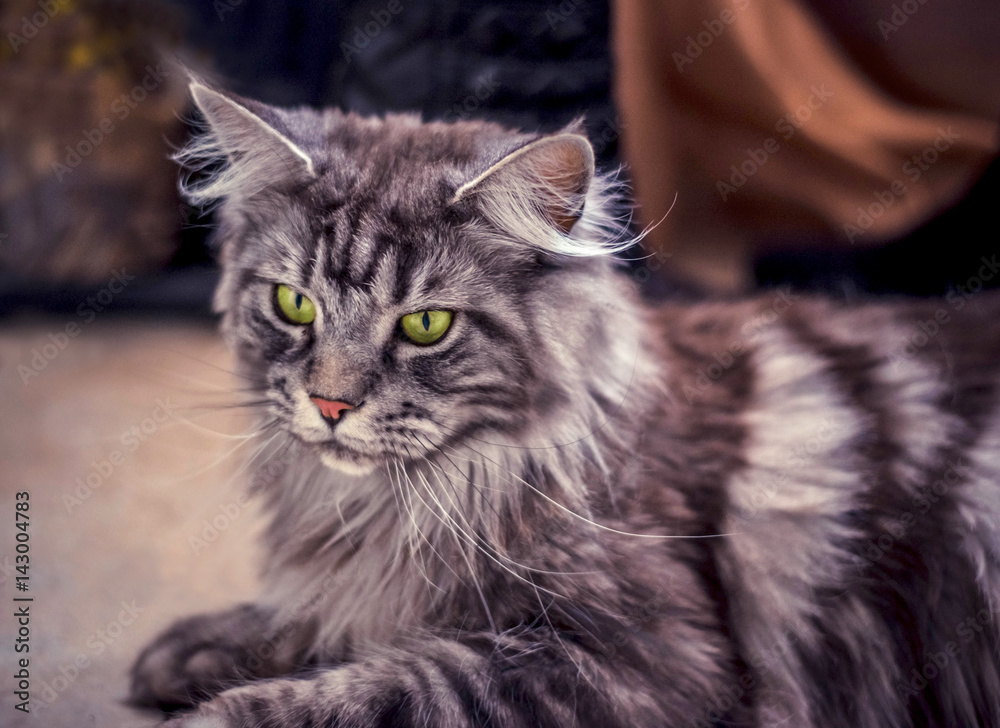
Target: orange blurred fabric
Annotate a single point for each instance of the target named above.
(771, 124)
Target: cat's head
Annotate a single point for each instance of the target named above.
(396, 287)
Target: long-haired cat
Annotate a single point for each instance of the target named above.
(509, 493)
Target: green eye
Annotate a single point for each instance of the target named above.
(425, 327)
(295, 307)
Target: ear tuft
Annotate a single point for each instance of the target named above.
(546, 194)
(566, 167)
(254, 154)
(555, 172)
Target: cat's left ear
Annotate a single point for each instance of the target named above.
(541, 186)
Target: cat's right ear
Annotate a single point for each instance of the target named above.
(245, 149)
(546, 194)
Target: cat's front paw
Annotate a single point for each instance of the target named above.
(267, 704)
(195, 659)
(199, 721)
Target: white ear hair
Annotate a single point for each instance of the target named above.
(255, 155)
(547, 195)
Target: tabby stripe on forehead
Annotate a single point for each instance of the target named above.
(362, 265)
(311, 257)
(367, 277)
(346, 250)
(359, 251)
(338, 248)
(403, 281)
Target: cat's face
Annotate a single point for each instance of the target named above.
(372, 292)
(400, 319)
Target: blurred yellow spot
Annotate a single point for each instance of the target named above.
(80, 56)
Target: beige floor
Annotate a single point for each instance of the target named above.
(110, 569)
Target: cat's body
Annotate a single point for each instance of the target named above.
(571, 508)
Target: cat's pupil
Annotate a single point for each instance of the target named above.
(426, 321)
(298, 300)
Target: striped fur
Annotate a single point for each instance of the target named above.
(576, 510)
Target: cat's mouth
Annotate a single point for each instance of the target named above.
(355, 449)
(337, 455)
(356, 465)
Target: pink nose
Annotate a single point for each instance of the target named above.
(330, 410)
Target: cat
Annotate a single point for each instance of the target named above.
(505, 491)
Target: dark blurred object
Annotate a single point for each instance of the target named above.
(88, 111)
(527, 64)
(805, 124)
(955, 250)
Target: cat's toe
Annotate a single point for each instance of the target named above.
(172, 673)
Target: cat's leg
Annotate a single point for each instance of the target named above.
(523, 681)
(199, 657)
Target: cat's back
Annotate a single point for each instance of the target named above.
(852, 452)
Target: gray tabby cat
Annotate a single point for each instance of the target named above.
(509, 493)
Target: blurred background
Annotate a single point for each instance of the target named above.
(844, 148)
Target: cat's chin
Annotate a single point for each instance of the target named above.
(348, 467)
